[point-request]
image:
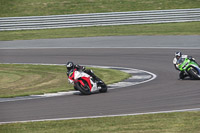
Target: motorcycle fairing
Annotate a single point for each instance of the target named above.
(196, 67)
(87, 79)
(79, 74)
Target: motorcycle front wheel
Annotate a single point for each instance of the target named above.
(83, 89)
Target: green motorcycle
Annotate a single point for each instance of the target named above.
(189, 67)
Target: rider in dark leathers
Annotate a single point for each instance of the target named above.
(70, 65)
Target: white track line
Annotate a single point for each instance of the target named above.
(101, 116)
(70, 118)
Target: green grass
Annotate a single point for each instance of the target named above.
(187, 28)
(13, 8)
(12, 76)
(22, 80)
(184, 122)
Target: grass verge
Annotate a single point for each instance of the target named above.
(184, 122)
(22, 80)
(13, 8)
(187, 28)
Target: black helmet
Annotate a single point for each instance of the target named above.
(178, 55)
(69, 65)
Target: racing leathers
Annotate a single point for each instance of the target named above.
(88, 71)
(182, 74)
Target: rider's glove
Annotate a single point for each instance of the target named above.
(176, 67)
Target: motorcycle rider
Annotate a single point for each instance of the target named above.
(70, 65)
(179, 55)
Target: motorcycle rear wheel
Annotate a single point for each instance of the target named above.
(103, 88)
(194, 73)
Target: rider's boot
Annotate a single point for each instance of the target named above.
(182, 75)
(96, 79)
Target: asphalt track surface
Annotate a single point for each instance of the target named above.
(164, 93)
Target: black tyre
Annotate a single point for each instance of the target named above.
(194, 73)
(75, 88)
(83, 89)
(103, 88)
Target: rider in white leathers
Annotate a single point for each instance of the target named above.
(179, 55)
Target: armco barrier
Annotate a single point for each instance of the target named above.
(99, 19)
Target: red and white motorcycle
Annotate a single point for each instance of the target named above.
(85, 83)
